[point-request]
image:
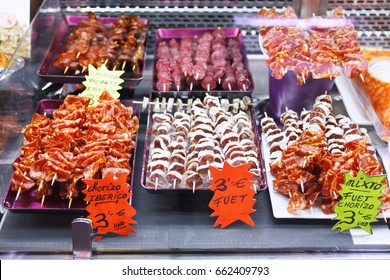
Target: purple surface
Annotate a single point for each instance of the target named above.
(178, 33)
(286, 93)
(27, 201)
(261, 186)
(56, 75)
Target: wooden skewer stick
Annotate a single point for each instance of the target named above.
(66, 69)
(84, 68)
(18, 193)
(40, 185)
(208, 87)
(193, 187)
(42, 200)
(244, 87)
(303, 77)
(174, 184)
(124, 65)
(164, 87)
(289, 193)
(54, 179)
(185, 73)
(335, 194)
(106, 61)
(219, 81)
(311, 206)
(133, 67)
(191, 86)
(77, 55)
(384, 216)
(265, 114)
(302, 187)
(70, 200)
(178, 87)
(155, 184)
(362, 77)
(114, 68)
(230, 87)
(197, 76)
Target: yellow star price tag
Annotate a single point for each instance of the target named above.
(100, 80)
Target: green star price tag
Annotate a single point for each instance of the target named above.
(359, 204)
(100, 80)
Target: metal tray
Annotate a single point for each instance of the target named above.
(177, 33)
(53, 74)
(27, 202)
(260, 185)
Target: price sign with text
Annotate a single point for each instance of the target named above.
(108, 205)
(233, 196)
(360, 201)
(100, 80)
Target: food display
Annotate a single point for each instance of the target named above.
(78, 142)
(309, 155)
(181, 145)
(315, 50)
(211, 60)
(374, 91)
(118, 43)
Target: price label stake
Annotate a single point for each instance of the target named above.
(108, 205)
(233, 196)
(360, 201)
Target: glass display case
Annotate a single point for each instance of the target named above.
(174, 224)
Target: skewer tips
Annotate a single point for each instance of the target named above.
(70, 200)
(362, 77)
(18, 194)
(42, 200)
(230, 87)
(66, 69)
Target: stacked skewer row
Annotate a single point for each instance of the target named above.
(198, 134)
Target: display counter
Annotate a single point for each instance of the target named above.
(169, 224)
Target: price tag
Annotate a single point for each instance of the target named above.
(233, 197)
(360, 201)
(100, 80)
(108, 205)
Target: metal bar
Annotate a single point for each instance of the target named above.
(81, 239)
